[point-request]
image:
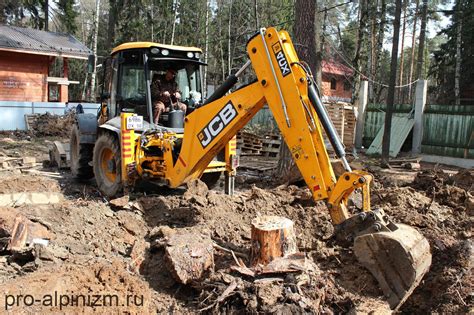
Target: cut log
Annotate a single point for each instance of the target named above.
(272, 237)
(190, 256)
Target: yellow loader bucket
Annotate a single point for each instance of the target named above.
(398, 259)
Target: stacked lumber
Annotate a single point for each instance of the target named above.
(12, 163)
(249, 144)
(344, 120)
(349, 126)
(271, 145)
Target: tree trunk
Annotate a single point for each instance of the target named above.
(379, 48)
(421, 45)
(457, 74)
(372, 17)
(174, 21)
(206, 50)
(272, 237)
(321, 52)
(305, 40)
(255, 9)
(46, 15)
(229, 41)
(391, 88)
(400, 79)
(412, 61)
(363, 12)
(112, 22)
(94, 50)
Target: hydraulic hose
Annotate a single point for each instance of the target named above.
(327, 125)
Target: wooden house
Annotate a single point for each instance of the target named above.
(26, 56)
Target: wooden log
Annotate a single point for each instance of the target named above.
(272, 237)
(190, 256)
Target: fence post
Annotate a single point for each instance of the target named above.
(359, 132)
(420, 102)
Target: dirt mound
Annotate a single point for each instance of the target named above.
(15, 184)
(53, 125)
(101, 251)
(429, 180)
(333, 287)
(464, 179)
(447, 225)
(98, 285)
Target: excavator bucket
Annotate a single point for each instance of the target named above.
(397, 258)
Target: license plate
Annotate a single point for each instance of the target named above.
(135, 122)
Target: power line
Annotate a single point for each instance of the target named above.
(362, 74)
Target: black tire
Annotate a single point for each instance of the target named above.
(81, 156)
(211, 179)
(107, 166)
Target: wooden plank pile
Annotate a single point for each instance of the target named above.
(8, 163)
(252, 144)
(344, 120)
(249, 144)
(271, 145)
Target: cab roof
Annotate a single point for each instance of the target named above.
(137, 45)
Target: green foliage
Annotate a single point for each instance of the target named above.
(67, 16)
(442, 68)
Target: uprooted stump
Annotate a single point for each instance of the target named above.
(272, 237)
(190, 256)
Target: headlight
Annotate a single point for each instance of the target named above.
(197, 55)
(189, 55)
(155, 51)
(165, 52)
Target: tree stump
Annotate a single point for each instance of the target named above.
(272, 237)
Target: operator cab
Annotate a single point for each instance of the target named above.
(128, 74)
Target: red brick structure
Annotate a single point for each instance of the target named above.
(336, 81)
(25, 58)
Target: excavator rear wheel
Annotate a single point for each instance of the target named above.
(107, 167)
(81, 156)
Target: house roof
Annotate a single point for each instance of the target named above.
(336, 68)
(32, 41)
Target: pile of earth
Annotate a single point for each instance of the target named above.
(443, 213)
(108, 247)
(53, 125)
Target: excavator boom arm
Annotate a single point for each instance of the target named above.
(398, 256)
(283, 84)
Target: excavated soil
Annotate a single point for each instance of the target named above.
(108, 249)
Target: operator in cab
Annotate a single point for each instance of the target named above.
(165, 94)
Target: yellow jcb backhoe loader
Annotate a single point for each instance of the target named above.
(126, 148)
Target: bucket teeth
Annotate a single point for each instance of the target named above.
(398, 259)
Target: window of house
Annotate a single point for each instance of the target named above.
(333, 83)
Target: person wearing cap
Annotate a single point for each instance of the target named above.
(165, 94)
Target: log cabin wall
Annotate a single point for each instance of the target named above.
(23, 77)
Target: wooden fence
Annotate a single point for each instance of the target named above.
(448, 130)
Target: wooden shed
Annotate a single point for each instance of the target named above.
(25, 59)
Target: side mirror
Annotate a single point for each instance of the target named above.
(90, 63)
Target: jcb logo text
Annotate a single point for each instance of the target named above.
(217, 124)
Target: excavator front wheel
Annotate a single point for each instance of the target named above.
(107, 168)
